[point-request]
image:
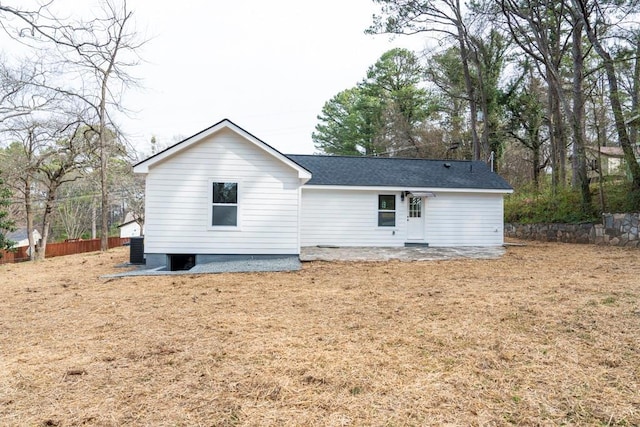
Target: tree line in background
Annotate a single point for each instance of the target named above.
(539, 87)
(63, 158)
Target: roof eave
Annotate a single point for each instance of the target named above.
(409, 188)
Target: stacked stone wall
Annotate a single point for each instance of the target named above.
(615, 230)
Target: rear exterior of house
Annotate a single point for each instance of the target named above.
(224, 194)
(359, 201)
(351, 218)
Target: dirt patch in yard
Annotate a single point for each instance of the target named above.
(547, 335)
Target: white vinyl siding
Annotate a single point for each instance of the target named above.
(464, 219)
(178, 200)
(348, 218)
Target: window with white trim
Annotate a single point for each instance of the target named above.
(224, 204)
(386, 210)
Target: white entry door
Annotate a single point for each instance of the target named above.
(415, 218)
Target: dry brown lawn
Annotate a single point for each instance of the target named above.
(547, 335)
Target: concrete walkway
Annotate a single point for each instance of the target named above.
(419, 253)
(315, 253)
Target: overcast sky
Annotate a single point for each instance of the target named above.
(269, 66)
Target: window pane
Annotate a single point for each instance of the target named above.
(225, 215)
(387, 203)
(386, 219)
(415, 207)
(225, 192)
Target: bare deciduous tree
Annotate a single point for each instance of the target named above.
(98, 54)
(43, 157)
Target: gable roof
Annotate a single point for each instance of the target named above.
(400, 172)
(144, 165)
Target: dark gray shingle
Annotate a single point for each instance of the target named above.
(399, 172)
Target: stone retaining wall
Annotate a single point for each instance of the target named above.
(615, 230)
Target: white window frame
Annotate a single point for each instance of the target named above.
(238, 204)
(395, 211)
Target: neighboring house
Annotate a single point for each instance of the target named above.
(21, 237)
(131, 226)
(225, 194)
(606, 160)
(130, 229)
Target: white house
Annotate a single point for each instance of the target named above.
(606, 161)
(130, 229)
(21, 237)
(224, 194)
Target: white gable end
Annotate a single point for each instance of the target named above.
(223, 126)
(179, 199)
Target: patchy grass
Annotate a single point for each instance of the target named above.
(547, 335)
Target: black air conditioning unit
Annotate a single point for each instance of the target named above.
(136, 250)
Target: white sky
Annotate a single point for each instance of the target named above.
(269, 66)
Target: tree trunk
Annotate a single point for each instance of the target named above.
(104, 229)
(536, 166)
(484, 145)
(553, 139)
(46, 222)
(104, 157)
(635, 98)
(94, 219)
(560, 143)
(579, 160)
(600, 179)
(28, 209)
(464, 57)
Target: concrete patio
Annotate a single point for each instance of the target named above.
(414, 253)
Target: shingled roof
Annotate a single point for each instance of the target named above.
(399, 172)
(17, 235)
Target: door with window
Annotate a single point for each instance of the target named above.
(415, 218)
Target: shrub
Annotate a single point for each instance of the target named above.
(528, 206)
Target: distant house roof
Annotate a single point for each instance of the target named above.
(19, 234)
(124, 224)
(400, 172)
(608, 151)
(129, 217)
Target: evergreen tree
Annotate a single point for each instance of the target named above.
(6, 224)
(381, 115)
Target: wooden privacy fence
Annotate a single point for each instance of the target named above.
(19, 255)
(62, 248)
